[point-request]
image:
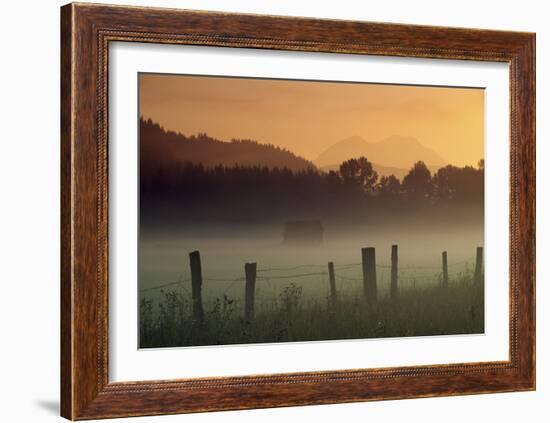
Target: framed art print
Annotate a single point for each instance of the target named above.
(263, 211)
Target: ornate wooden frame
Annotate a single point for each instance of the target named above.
(86, 31)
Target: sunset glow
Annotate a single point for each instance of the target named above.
(308, 117)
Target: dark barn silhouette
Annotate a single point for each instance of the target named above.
(303, 232)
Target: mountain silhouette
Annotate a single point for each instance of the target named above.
(162, 148)
(393, 152)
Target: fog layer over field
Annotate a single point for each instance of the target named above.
(224, 251)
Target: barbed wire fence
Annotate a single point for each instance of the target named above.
(351, 277)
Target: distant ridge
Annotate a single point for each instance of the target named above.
(393, 152)
(168, 147)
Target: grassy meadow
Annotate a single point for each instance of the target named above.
(292, 295)
(291, 316)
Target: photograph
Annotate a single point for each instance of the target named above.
(273, 211)
(278, 210)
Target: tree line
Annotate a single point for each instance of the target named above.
(449, 183)
(256, 193)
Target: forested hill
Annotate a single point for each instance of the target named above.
(161, 147)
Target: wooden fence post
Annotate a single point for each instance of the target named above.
(445, 269)
(332, 280)
(369, 274)
(479, 265)
(250, 288)
(196, 286)
(393, 286)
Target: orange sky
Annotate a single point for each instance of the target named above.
(308, 117)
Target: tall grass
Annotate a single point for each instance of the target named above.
(290, 316)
